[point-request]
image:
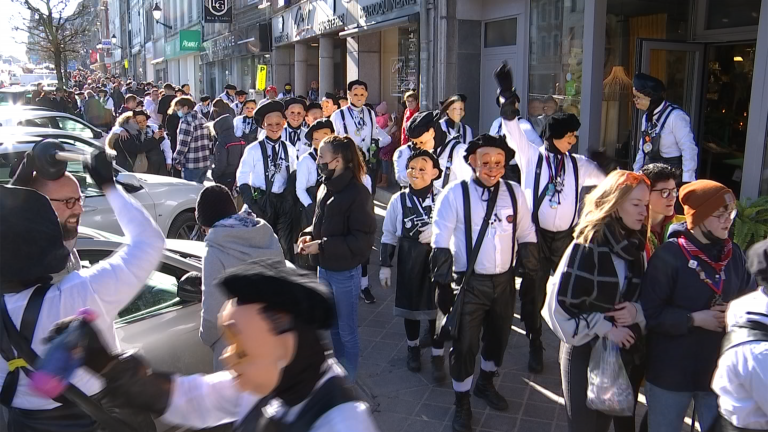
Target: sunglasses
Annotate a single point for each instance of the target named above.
(665, 193)
(69, 203)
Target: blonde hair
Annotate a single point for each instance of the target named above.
(122, 120)
(603, 201)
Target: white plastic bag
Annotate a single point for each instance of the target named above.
(608, 389)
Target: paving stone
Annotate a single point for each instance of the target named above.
(539, 411)
(369, 332)
(512, 391)
(499, 422)
(560, 427)
(529, 425)
(392, 336)
(396, 405)
(416, 394)
(441, 396)
(419, 425)
(366, 344)
(375, 357)
(395, 382)
(386, 347)
(430, 411)
(388, 422)
(375, 323)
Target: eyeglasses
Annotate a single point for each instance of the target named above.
(726, 216)
(633, 179)
(665, 193)
(70, 202)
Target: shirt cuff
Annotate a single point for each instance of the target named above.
(603, 327)
(689, 176)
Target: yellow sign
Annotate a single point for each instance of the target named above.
(126, 63)
(261, 78)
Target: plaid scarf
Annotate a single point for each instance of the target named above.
(589, 282)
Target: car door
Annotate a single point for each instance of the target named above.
(77, 127)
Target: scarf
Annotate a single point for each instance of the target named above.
(293, 134)
(589, 283)
(722, 254)
(422, 193)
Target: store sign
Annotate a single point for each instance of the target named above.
(261, 78)
(281, 29)
(149, 51)
(217, 11)
(307, 20)
(189, 40)
(373, 11)
(219, 48)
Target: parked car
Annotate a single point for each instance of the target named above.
(48, 119)
(14, 96)
(171, 201)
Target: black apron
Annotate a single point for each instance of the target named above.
(415, 292)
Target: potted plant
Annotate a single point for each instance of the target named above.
(751, 225)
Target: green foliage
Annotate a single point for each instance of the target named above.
(751, 222)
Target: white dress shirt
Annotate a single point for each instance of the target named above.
(231, 100)
(676, 140)
(203, 401)
(240, 127)
(306, 177)
(464, 131)
(460, 169)
(106, 287)
(299, 142)
(527, 155)
(108, 103)
(497, 250)
(251, 169)
(238, 107)
(203, 110)
(392, 229)
(527, 128)
(741, 377)
(151, 107)
(369, 130)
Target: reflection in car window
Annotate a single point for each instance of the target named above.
(37, 122)
(70, 125)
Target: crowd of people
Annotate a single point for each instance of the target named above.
(682, 305)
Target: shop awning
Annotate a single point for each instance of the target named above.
(379, 26)
(156, 61)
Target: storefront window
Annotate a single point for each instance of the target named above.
(399, 62)
(732, 14)
(556, 55)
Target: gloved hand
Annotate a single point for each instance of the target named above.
(385, 277)
(247, 194)
(507, 97)
(425, 237)
(387, 254)
(528, 257)
(445, 298)
(97, 357)
(23, 177)
(441, 266)
(100, 170)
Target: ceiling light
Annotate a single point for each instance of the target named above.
(738, 59)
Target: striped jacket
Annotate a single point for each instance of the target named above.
(194, 143)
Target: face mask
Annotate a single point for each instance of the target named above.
(180, 113)
(325, 171)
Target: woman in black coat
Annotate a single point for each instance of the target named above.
(341, 237)
(136, 142)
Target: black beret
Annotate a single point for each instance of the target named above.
(80, 93)
(757, 262)
(427, 154)
(230, 87)
(649, 86)
(561, 124)
(357, 82)
(253, 101)
(270, 107)
(241, 93)
(302, 97)
(329, 95)
(318, 125)
(294, 101)
(292, 291)
(341, 98)
(314, 105)
(421, 123)
(205, 98)
(458, 97)
(487, 140)
(31, 242)
(102, 90)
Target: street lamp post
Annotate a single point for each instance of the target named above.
(157, 13)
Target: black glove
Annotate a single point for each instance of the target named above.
(100, 169)
(23, 176)
(528, 256)
(507, 98)
(132, 383)
(441, 266)
(247, 194)
(445, 298)
(96, 358)
(387, 254)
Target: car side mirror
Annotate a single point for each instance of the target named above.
(129, 181)
(190, 288)
(97, 134)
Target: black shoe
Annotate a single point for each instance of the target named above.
(462, 418)
(426, 339)
(414, 359)
(438, 368)
(367, 295)
(485, 390)
(536, 356)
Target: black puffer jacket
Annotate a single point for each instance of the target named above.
(129, 148)
(344, 220)
(681, 358)
(227, 153)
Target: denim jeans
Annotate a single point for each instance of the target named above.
(196, 175)
(667, 409)
(345, 286)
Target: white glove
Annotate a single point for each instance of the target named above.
(385, 277)
(426, 235)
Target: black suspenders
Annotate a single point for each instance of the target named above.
(539, 199)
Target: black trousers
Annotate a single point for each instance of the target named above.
(552, 246)
(412, 328)
(278, 211)
(488, 304)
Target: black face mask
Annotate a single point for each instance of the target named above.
(324, 171)
(711, 238)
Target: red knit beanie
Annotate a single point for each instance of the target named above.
(702, 198)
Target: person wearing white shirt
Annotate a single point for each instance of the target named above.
(513, 171)
(287, 92)
(741, 378)
(150, 106)
(424, 132)
(453, 108)
(32, 248)
(666, 136)
(359, 123)
(246, 125)
(106, 100)
(240, 95)
(229, 94)
(499, 227)
(204, 107)
(294, 134)
(263, 174)
(552, 179)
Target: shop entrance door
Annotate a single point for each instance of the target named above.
(489, 111)
(680, 65)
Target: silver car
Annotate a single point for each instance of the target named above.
(12, 116)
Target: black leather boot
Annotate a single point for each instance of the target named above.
(462, 418)
(414, 359)
(535, 356)
(438, 368)
(485, 390)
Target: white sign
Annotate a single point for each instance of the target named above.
(374, 11)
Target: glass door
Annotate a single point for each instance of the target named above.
(680, 65)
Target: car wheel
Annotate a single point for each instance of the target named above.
(185, 227)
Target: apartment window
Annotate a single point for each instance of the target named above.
(543, 45)
(556, 43)
(544, 12)
(501, 33)
(558, 11)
